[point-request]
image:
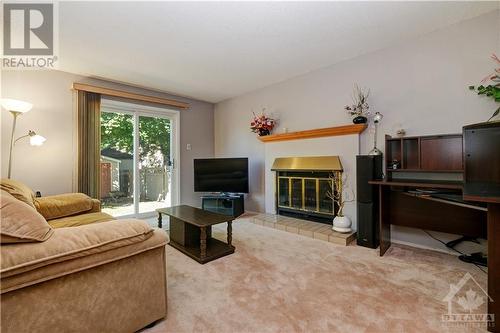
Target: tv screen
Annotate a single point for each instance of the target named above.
(221, 175)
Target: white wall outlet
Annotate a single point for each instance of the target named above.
(188, 146)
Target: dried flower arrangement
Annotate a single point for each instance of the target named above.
(338, 191)
(339, 195)
(359, 108)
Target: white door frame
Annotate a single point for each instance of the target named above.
(137, 110)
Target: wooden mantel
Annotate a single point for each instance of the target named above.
(315, 133)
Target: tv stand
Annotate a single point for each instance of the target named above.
(224, 203)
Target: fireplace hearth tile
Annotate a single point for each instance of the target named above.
(341, 239)
(280, 226)
(307, 225)
(258, 221)
(321, 235)
(289, 221)
(305, 232)
(269, 224)
(272, 219)
(304, 228)
(319, 226)
(323, 227)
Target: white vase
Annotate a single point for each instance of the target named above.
(342, 224)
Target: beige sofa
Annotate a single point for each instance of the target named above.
(99, 277)
(62, 210)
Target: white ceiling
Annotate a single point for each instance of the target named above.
(217, 50)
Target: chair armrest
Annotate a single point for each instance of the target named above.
(96, 206)
(57, 206)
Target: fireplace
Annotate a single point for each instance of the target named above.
(303, 184)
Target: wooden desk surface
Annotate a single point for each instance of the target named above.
(454, 185)
(482, 191)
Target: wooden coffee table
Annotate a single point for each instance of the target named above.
(191, 232)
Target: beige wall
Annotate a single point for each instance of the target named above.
(420, 84)
(49, 168)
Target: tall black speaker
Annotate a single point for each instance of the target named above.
(368, 168)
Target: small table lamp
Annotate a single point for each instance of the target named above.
(17, 108)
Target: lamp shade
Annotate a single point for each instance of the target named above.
(15, 105)
(37, 140)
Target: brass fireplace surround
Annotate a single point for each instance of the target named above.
(294, 174)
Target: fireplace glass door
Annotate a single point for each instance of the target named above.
(310, 194)
(284, 192)
(325, 204)
(305, 194)
(296, 194)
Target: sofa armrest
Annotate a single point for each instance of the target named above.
(57, 206)
(96, 206)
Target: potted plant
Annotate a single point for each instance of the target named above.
(340, 196)
(359, 108)
(491, 90)
(262, 124)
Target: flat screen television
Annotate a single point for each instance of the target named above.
(221, 175)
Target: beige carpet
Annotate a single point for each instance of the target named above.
(282, 282)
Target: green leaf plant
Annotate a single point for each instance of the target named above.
(491, 90)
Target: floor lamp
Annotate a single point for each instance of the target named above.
(376, 120)
(16, 108)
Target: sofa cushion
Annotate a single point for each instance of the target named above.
(157, 240)
(61, 205)
(96, 206)
(70, 243)
(82, 219)
(21, 223)
(18, 190)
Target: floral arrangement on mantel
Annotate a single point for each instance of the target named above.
(491, 90)
(262, 124)
(359, 108)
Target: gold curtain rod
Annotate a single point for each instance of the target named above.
(129, 95)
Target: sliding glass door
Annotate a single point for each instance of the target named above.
(138, 150)
(155, 163)
(117, 163)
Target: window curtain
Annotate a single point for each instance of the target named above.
(89, 143)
